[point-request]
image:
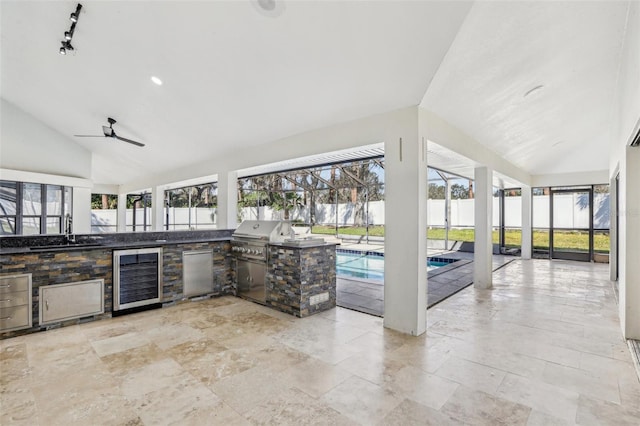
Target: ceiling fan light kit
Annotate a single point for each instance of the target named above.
(68, 35)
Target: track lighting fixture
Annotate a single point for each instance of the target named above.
(68, 35)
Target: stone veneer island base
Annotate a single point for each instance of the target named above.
(301, 280)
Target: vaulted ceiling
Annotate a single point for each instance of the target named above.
(237, 75)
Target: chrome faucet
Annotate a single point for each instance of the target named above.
(68, 226)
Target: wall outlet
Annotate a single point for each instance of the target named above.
(319, 298)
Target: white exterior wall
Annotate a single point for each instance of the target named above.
(626, 161)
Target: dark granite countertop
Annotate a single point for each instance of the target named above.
(39, 244)
(98, 246)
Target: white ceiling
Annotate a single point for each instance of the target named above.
(232, 76)
(236, 77)
(505, 49)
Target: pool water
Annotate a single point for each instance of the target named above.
(368, 266)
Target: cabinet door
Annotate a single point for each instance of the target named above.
(197, 272)
(72, 300)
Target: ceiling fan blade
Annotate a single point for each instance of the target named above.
(127, 140)
(89, 136)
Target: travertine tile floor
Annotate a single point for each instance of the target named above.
(542, 348)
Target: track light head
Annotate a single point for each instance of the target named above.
(66, 45)
(68, 35)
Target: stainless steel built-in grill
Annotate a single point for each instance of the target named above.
(249, 245)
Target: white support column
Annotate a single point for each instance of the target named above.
(630, 245)
(122, 213)
(405, 269)
(483, 209)
(613, 227)
(157, 208)
(227, 200)
(526, 246)
(447, 212)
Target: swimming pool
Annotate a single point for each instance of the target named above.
(370, 265)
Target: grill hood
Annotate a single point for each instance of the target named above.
(270, 231)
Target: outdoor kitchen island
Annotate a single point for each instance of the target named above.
(276, 268)
(301, 278)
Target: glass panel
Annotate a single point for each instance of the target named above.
(570, 211)
(601, 241)
(30, 225)
(31, 199)
(541, 239)
(8, 198)
(7, 225)
(68, 200)
(54, 201)
(601, 212)
(575, 240)
(53, 225)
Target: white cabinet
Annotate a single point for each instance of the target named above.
(15, 302)
(62, 302)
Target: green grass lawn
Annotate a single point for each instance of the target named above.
(513, 238)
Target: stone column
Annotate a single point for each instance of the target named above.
(227, 210)
(405, 275)
(483, 209)
(526, 226)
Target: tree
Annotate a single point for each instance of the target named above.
(104, 201)
(436, 192)
(459, 192)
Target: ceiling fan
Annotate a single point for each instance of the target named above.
(110, 133)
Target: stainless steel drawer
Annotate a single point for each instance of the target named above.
(15, 317)
(9, 284)
(16, 298)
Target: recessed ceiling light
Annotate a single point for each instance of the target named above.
(533, 90)
(156, 80)
(271, 8)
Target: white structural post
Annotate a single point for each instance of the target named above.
(157, 208)
(122, 213)
(483, 209)
(405, 243)
(227, 210)
(526, 248)
(447, 211)
(630, 245)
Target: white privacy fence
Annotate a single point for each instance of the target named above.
(105, 220)
(571, 211)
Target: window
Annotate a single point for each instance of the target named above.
(33, 208)
(138, 217)
(192, 207)
(104, 213)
